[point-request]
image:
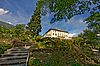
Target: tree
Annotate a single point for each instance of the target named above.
(18, 30)
(65, 9)
(4, 32)
(93, 22)
(90, 37)
(35, 23)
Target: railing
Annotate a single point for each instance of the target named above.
(27, 58)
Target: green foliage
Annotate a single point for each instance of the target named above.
(94, 17)
(65, 9)
(93, 22)
(36, 62)
(35, 23)
(56, 42)
(38, 38)
(76, 64)
(19, 31)
(4, 47)
(59, 52)
(61, 57)
(4, 32)
(55, 59)
(91, 38)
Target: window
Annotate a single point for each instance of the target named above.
(53, 34)
(58, 33)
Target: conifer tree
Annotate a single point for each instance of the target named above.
(35, 22)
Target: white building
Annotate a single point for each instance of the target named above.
(55, 33)
(98, 35)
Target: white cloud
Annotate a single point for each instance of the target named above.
(9, 22)
(72, 34)
(2, 11)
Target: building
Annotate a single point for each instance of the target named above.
(56, 33)
(98, 35)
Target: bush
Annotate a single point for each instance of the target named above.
(72, 52)
(76, 64)
(4, 47)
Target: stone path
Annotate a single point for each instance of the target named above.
(14, 57)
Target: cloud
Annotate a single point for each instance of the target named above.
(9, 22)
(2, 11)
(72, 34)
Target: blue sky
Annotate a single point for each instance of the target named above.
(20, 11)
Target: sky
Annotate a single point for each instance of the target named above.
(20, 11)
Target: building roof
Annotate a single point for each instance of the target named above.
(56, 30)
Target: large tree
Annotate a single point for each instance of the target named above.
(93, 22)
(65, 9)
(90, 35)
(35, 22)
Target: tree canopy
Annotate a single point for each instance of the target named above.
(65, 9)
(35, 22)
(93, 22)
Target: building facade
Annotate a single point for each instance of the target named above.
(55, 33)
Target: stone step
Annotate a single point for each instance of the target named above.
(21, 64)
(17, 49)
(12, 62)
(13, 57)
(15, 54)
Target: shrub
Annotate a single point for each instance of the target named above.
(72, 52)
(4, 47)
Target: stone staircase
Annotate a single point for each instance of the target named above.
(14, 57)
